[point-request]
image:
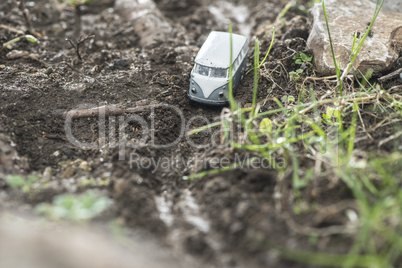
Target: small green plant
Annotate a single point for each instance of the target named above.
(266, 125)
(27, 37)
(331, 116)
(287, 99)
(75, 207)
(21, 182)
(295, 76)
(366, 77)
(300, 58)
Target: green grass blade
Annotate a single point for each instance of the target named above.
(256, 61)
(337, 68)
(269, 49)
(231, 99)
(352, 128)
(200, 129)
(361, 42)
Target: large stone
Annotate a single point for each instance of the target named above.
(34, 243)
(148, 22)
(391, 5)
(381, 48)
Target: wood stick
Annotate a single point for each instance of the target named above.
(11, 29)
(107, 110)
(390, 76)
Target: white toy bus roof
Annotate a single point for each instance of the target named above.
(215, 52)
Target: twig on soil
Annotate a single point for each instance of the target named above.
(318, 78)
(390, 76)
(70, 66)
(11, 29)
(394, 88)
(396, 135)
(363, 125)
(325, 78)
(333, 209)
(369, 97)
(268, 75)
(76, 44)
(319, 158)
(286, 71)
(54, 137)
(27, 17)
(382, 124)
(325, 231)
(77, 23)
(107, 110)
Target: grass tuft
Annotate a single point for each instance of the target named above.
(326, 130)
(355, 47)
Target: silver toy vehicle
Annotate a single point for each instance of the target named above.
(209, 82)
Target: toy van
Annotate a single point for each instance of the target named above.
(209, 82)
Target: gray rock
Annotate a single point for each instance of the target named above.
(148, 22)
(47, 173)
(391, 5)
(16, 54)
(345, 17)
(31, 242)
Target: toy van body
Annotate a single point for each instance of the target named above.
(209, 82)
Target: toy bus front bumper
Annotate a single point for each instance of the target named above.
(218, 96)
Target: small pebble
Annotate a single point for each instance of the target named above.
(99, 43)
(16, 54)
(49, 70)
(95, 69)
(84, 166)
(121, 64)
(47, 173)
(33, 56)
(69, 172)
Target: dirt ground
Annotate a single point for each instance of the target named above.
(230, 219)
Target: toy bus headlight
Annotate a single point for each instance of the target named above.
(220, 94)
(193, 90)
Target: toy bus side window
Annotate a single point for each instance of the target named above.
(233, 67)
(236, 65)
(244, 49)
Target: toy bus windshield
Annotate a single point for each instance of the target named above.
(212, 72)
(220, 73)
